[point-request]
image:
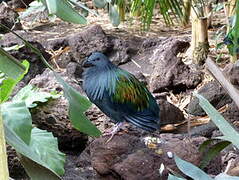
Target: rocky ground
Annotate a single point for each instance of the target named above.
(161, 62)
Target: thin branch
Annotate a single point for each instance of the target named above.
(220, 77)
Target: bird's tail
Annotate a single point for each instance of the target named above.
(146, 122)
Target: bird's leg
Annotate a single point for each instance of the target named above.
(116, 128)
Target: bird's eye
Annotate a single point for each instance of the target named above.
(97, 59)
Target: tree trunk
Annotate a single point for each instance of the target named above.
(208, 14)
(199, 43)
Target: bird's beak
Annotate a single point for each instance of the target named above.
(87, 64)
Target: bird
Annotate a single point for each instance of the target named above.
(119, 94)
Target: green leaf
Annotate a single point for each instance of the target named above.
(64, 10)
(6, 88)
(232, 38)
(114, 15)
(148, 13)
(30, 95)
(46, 146)
(33, 164)
(213, 152)
(9, 83)
(41, 145)
(10, 65)
(230, 134)
(191, 170)
(100, 3)
(219, 45)
(18, 118)
(172, 177)
(135, 7)
(81, 5)
(224, 176)
(203, 147)
(77, 106)
(34, 7)
(36, 171)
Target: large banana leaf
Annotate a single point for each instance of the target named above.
(64, 10)
(35, 167)
(37, 147)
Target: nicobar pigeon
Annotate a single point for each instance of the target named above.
(118, 94)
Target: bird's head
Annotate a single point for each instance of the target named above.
(96, 60)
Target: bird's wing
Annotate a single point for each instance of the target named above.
(132, 98)
(129, 91)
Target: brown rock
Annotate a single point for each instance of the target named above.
(170, 73)
(214, 93)
(15, 168)
(169, 113)
(91, 39)
(8, 17)
(127, 157)
(84, 43)
(234, 167)
(19, 4)
(232, 114)
(232, 71)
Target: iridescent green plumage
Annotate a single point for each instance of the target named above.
(129, 90)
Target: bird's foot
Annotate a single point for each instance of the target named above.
(113, 131)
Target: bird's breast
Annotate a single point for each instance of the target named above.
(95, 85)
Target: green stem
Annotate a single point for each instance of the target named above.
(3, 154)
